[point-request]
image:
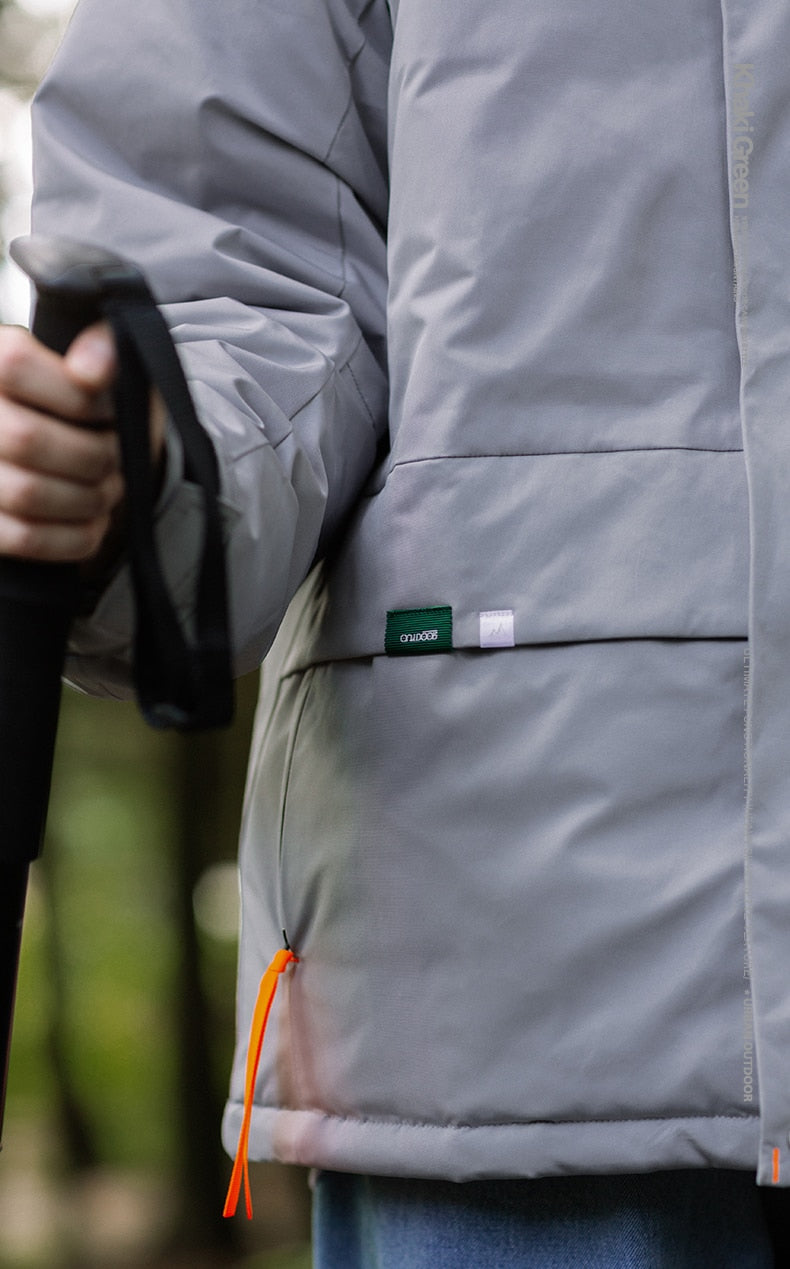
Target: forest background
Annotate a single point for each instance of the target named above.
(124, 1022)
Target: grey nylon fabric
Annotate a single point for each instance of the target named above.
(514, 877)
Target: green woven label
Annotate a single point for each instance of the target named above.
(415, 631)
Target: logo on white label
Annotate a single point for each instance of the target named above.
(497, 628)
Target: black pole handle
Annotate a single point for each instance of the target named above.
(37, 604)
(38, 600)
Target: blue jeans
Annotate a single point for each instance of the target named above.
(700, 1219)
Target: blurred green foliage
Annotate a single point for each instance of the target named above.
(99, 943)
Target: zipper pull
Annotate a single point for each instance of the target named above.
(266, 991)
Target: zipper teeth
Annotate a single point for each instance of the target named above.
(300, 706)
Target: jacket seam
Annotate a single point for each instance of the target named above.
(263, 439)
(571, 453)
(345, 114)
(360, 393)
(335, 369)
(349, 61)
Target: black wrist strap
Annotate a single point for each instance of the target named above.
(181, 682)
(183, 676)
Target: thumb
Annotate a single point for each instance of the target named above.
(91, 360)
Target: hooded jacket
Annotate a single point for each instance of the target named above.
(486, 309)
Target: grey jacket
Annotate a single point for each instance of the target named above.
(487, 310)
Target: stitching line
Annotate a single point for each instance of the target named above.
(399, 1122)
(361, 394)
(569, 453)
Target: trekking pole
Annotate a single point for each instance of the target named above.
(180, 683)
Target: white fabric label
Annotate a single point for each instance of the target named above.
(497, 629)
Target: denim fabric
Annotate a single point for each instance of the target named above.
(701, 1219)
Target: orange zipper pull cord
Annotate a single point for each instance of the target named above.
(260, 1017)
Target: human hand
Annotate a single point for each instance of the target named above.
(61, 489)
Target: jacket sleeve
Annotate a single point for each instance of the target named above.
(237, 153)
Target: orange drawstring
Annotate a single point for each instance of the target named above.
(257, 1031)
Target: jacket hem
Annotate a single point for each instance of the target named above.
(466, 1152)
